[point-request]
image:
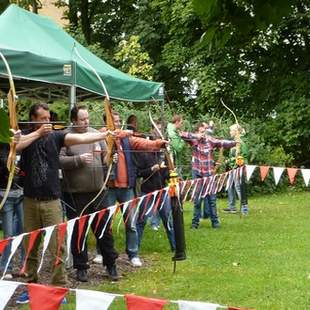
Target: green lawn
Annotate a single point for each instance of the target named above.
(260, 261)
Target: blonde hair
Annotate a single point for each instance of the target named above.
(237, 127)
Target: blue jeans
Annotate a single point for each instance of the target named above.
(12, 223)
(209, 203)
(122, 195)
(240, 189)
(165, 215)
(155, 219)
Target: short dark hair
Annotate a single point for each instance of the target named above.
(75, 110)
(104, 117)
(198, 125)
(35, 107)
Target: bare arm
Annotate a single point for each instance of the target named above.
(26, 140)
(84, 138)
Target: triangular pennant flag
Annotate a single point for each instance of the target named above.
(111, 212)
(291, 172)
(7, 289)
(3, 244)
(277, 172)
(48, 233)
(81, 222)
(90, 220)
(100, 215)
(263, 172)
(190, 182)
(16, 241)
(70, 226)
(93, 300)
(42, 297)
(61, 233)
(142, 303)
(32, 238)
(306, 175)
(236, 308)
(196, 305)
(166, 192)
(230, 180)
(152, 203)
(249, 171)
(194, 192)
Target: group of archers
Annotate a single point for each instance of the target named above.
(39, 192)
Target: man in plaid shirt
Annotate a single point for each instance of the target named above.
(203, 165)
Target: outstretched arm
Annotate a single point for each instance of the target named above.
(84, 138)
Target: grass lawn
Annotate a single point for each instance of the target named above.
(260, 261)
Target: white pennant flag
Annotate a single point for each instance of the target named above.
(14, 246)
(93, 300)
(7, 289)
(48, 234)
(249, 171)
(196, 305)
(166, 189)
(90, 220)
(70, 225)
(151, 204)
(306, 175)
(111, 212)
(277, 172)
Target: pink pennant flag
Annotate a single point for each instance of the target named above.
(42, 297)
(196, 305)
(264, 172)
(93, 300)
(142, 303)
(291, 172)
(7, 289)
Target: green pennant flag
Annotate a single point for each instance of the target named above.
(5, 134)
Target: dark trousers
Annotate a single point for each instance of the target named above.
(77, 202)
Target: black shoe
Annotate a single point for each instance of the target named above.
(112, 272)
(194, 226)
(216, 225)
(81, 275)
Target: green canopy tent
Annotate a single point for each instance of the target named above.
(45, 60)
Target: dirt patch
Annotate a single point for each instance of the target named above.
(96, 275)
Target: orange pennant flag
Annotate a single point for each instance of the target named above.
(291, 172)
(43, 297)
(263, 172)
(142, 303)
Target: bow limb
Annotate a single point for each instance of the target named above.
(14, 125)
(109, 125)
(168, 153)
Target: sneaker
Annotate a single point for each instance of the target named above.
(216, 225)
(244, 211)
(136, 262)
(156, 228)
(98, 259)
(64, 301)
(81, 275)
(23, 298)
(112, 272)
(8, 276)
(228, 210)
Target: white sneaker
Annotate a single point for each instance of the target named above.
(136, 262)
(8, 276)
(98, 259)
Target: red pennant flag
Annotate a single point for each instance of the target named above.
(142, 303)
(237, 308)
(156, 204)
(81, 221)
(291, 172)
(62, 228)
(99, 218)
(32, 239)
(263, 172)
(133, 204)
(3, 244)
(145, 203)
(43, 297)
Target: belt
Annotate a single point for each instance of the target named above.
(44, 198)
